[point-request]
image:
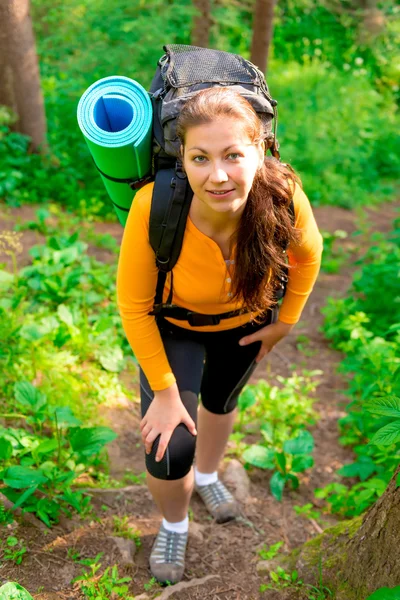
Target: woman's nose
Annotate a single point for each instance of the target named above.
(218, 175)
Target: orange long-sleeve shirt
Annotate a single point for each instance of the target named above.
(201, 281)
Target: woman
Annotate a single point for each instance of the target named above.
(231, 257)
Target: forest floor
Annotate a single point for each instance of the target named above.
(221, 559)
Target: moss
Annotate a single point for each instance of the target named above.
(288, 561)
(348, 528)
(334, 561)
(311, 550)
(354, 526)
(346, 592)
(295, 553)
(330, 547)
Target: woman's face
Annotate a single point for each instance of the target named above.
(219, 157)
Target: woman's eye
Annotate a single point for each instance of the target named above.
(236, 154)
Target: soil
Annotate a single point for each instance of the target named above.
(227, 552)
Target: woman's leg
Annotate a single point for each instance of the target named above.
(213, 432)
(172, 497)
(170, 481)
(228, 368)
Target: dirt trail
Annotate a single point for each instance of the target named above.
(227, 552)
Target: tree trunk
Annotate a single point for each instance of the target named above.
(374, 552)
(357, 556)
(6, 89)
(373, 21)
(202, 24)
(262, 33)
(20, 72)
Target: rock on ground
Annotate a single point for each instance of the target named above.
(127, 549)
(235, 476)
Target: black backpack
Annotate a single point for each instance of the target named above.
(181, 72)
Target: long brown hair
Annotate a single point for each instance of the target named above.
(265, 226)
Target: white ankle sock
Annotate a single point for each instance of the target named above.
(180, 527)
(205, 478)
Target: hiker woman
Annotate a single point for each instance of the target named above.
(231, 258)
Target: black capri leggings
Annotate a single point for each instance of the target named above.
(210, 363)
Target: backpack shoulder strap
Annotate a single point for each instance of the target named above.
(168, 216)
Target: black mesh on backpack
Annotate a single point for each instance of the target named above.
(189, 64)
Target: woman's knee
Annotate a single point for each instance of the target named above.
(178, 457)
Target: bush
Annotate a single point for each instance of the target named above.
(337, 132)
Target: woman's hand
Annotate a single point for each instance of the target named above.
(164, 414)
(268, 336)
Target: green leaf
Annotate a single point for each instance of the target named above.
(6, 280)
(65, 417)
(46, 447)
(277, 484)
(103, 324)
(90, 440)
(49, 324)
(65, 315)
(281, 460)
(247, 399)
(390, 434)
(31, 332)
(111, 359)
(385, 594)
(302, 444)
(12, 541)
(301, 463)
(42, 214)
(294, 480)
(6, 449)
(267, 431)
(389, 406)
(26, 394)
(259, 456)
(22, 477)
(363, 468)
(28, 492)
(14, 591)
(47, 510)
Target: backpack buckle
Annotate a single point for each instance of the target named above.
(157, 308)
(199, 320)
(138, 183)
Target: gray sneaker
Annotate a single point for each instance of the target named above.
(167, 558)
(219, 502)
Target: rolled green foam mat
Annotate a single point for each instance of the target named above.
(115, 116)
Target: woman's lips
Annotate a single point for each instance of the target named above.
(220, 195)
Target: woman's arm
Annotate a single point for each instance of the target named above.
(304, 258)
(136, 285)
